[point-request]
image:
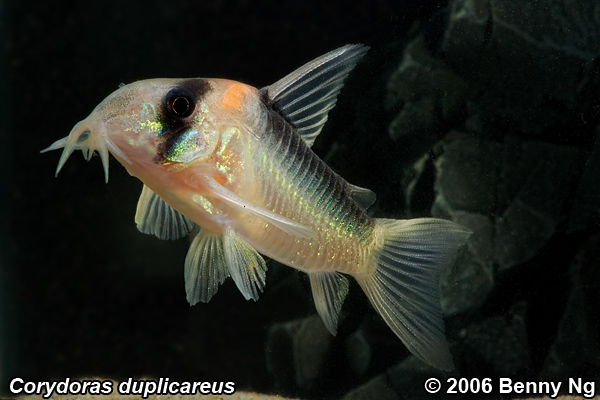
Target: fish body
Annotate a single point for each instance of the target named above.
(236, 162)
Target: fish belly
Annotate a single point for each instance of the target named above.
(323, 254)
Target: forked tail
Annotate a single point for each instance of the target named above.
(403, 283)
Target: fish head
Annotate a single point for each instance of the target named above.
(147, 125)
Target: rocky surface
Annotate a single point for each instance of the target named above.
(578, 335)
(535, 60)
(504, 97)
(585, 208)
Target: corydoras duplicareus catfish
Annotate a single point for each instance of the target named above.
(236, 162)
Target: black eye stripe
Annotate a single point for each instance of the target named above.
(178, 104)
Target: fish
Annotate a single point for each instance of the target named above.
(231, 166)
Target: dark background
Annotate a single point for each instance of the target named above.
(84, 294)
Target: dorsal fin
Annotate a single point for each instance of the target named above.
(305, 96)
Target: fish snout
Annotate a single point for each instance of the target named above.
(89, 137)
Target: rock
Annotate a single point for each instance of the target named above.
(536, 180)
(586, 207)
(467, 174)
(402, 381)
(417, 184)
(297, 352)
(279, 358)
(408, 378)
(426, 93)
(497, 345)
(536, 60)
(466, 286)
(508, 91)
(377, 388)
(311, 344)
(465, 190)
(415, 119)
(576, 350)
(358, 353)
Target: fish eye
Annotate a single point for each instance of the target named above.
(180, 103)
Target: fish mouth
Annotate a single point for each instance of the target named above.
(88, 138)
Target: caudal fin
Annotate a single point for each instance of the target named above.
(403, 284)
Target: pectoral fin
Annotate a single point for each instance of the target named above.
(285, 224)
(247, 268)
(155, 217)
(329, 291)
(205, 267)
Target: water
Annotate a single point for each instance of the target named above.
(483, 120)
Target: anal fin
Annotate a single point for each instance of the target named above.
(329, 291)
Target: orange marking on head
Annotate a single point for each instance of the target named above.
(221, 179)
(234, 96)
